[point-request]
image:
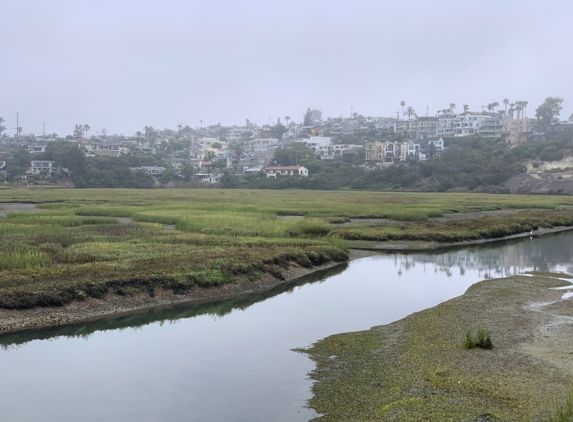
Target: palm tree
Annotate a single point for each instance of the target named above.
(201, 121)
(505, 103)
(87, 128)
(511, 110)
(524, 104)
(452, 106)
(410, 112)
(490, 107)
(248, 122)
(466, 108)
(495, 105)
(402, 103)
(519, 108)
(179, 126)
(138, 133)
(287, 119)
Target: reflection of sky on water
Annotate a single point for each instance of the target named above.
(232, 360)
(549, 253)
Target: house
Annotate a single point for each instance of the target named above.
(154, 171)
(561, 131)
(469, 122)
(491, 128)
(40, 166)
(430, 148)
(341, 148)
(286, 171)
(261, 144)
(322, 145)
(517, 131)
(425, 127)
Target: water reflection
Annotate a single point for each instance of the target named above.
(232, 359)
(166, 314)
(547, 253)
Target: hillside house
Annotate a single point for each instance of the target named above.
(286, 171)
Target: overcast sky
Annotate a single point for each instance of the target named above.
(122, 65)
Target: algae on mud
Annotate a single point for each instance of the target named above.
(417, 369)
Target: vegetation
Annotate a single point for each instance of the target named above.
(86, 243)
(481, 339)
(563, 412)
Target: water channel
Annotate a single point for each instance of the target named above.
(232, 360)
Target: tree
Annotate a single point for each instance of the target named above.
(548, 112)
(187, 171)
(505, 103)
(571, 118)
(410, 112)
(287, 119)
(87, 128)
(229, 180)
(466, 108)
(402, 103)
(278, 131)
(248, 122)
(138, 134)
(2, 128)
(307, 118)
(78, 131)
(452, 106)
(294, 155)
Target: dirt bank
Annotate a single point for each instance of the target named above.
(113, 304)
(419, 245)
(416, 369)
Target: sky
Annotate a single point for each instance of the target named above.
(125, 64)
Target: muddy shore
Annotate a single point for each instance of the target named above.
(116, 305)
(417, 369)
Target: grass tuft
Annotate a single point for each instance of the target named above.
(481, 339)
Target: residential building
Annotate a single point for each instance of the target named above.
(40, 166)
(447, 123)
(425, 127)
(322, 145)
(430, 148)
(286, 171)
(154, 171)
(517, 131)
(491, 128)
(560, 130)
(339, 149)
(261, 144)
(469, 122)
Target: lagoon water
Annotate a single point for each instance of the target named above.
(232, 360)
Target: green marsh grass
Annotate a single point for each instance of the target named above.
(76, 243)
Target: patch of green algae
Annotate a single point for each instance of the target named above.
(417, 370)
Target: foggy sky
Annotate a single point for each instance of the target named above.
(121, 64)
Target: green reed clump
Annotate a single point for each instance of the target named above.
(480, 339)
(562, 412)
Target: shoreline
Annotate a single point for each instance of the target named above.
(417, 369)
(91, 309)
(422, 246)
(110, 305)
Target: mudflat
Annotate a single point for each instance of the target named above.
(417, 369)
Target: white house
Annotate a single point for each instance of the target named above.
(286, 171)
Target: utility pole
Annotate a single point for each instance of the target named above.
(427, 109)
(44, 130)
(397, 114)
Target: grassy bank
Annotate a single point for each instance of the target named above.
(88, 243)
(418, 368)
